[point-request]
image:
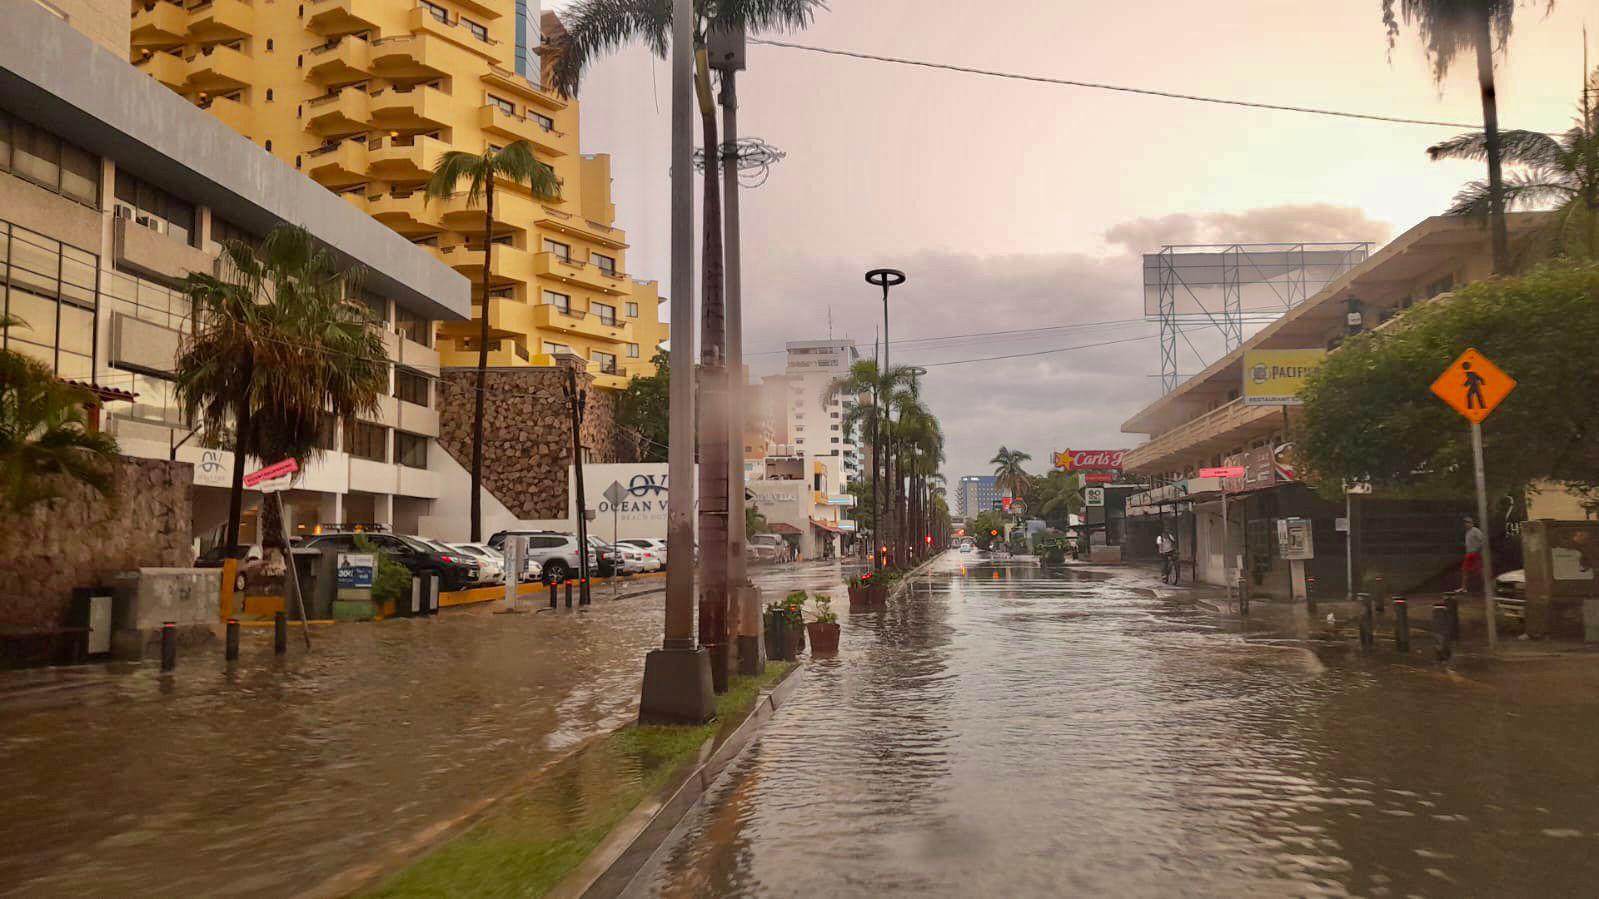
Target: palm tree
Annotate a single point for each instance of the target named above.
(1009, 476)
(1055, 497)
(45, 439)
(280, 346)
(868, 418)
(1448, 28)
(514, 163)
(1560, 172)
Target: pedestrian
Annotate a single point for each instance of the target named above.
(1471, 566)
(1167, 547)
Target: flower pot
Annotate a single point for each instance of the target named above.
(797, 629)
(860, 596)
(776, 642)
(824, 637)
(793, 641)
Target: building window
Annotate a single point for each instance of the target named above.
(436, 11)
(559, 249)
(365, 440)
(632, 351)
(505, 106)
(559, 300)
(375, 306)
(833, 440)
(269, 146)
(327, 433)
(545, 122)
(607, 361)
(223, 231)
(269, 45)
(555, 349)
(413, 327)
(411, 387)
(604, 263)
(632, 310)
(269, 95)
(482, 34)
(35, 154)
(605, 311)
(410, 450)
(51, 289)
(155, 209)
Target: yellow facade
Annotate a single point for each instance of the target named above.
(365, 96)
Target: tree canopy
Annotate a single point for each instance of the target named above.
(642, 410)
(1369, 413)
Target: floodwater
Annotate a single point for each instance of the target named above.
(1009, 731)
(277, 775)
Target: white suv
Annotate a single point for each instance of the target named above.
(555, 552)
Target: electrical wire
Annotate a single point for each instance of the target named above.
(1096, 85)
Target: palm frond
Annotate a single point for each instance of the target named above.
(451, 168)
(1518, 147)
(597, 27)
(1521, 190)
(516, 162)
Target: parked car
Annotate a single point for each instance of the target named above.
(654, 551)
(456, 570)
(251, 559)
(611, 562)
(631, 558)
(766, 548)
(555, 552)
(490, 564)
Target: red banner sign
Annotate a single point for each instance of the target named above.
(275, 470)
(1230, 471)
(1098, 478)
(1078, 460)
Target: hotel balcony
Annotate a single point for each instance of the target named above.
(217, 68)
(334, 17)
(408, 212)
(494, 120)
(159, 24)
(422, 21)
(170, 69)
(343, 112)
(459, 215)
(1217, 431)
(356, 196)
(581, 274)
(610, 378)
(342, 60)
(462, 352)
(338, 163)
(582, 324)
(412, 56)
(417, 108)
(481, 9)
(404, 157)
(581, 228)
(221, 20)
(503, 79)
(231, 113)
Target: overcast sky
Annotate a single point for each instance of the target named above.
(1016, 206)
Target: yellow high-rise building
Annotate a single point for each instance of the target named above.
(365, 96)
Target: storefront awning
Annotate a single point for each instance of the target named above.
(782, 527)
(825, 526)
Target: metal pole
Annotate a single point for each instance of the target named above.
(1226, 534)
(577, 402)
(1488, 604)
(680, 597)
(294, 573)
(732, 291)
(1349, 546)
(616, 536)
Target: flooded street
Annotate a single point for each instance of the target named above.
(1010, 731)
(274, 776)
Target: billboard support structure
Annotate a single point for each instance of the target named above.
(1226, 286)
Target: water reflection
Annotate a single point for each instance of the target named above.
(1018, 731)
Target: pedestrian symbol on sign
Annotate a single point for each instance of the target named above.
(1473, 385)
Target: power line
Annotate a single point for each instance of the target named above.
(1095, 85)
(1062, 349)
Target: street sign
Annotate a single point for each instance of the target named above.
(615, 493)
(272, 472)
(1473, 385)
(1094, 496)
(274, 485)
(1229, 471)
(1099, 478)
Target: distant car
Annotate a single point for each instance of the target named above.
(1511, 585)
(490, 564)
(631, 558)
(966, 547)
(555, 552)
(456, 570)
(654, 551)
(766, 548)
(252, 558)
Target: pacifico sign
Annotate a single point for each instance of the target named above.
(1090, 460)
(1275, 377)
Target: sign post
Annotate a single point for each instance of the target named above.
(1222, 475)
(1474, 387)
(614, 495)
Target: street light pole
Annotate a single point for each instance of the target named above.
(677, 677)
(884, 278)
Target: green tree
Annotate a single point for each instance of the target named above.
(1009, 475)
(279, 347)
(516, 164)
(643, 410)
(1369, 414)
(1561, 173)
(1448, 28)
(45, 440)
(1055, 498)
(870, 417)
(754, 521)
(988, 528)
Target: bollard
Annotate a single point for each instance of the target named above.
(1310, 594)
(568, 594)
(169, 646)
(1382, 594)
(1452, 603)
(233, 640)
(1401, 624)
(280, 633)
(552, 595)
(1368, 623)
(1243, 596)
(1443, 634)
(584, 596)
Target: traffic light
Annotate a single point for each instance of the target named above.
(993, 533)
(929, 539)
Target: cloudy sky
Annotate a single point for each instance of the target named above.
(1023, 207)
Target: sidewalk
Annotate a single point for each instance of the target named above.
(270, 778)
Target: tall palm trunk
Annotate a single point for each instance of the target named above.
(482, 364)
(714, 501)
(1490, 129)
(241, 444)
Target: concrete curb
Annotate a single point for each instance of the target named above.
(911, 577)
(626, 851)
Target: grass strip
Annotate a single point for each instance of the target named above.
(530, 842)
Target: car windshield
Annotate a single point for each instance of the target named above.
(420, 545)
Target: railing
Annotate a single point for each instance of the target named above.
(334, 43)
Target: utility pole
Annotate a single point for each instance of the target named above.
(886, 278)
(677, 677)
(726, 50)
(577, 400)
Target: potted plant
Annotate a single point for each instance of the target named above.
(860, 591)
(823, 627)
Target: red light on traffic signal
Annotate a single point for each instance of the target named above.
(928, 539)
(993, 533)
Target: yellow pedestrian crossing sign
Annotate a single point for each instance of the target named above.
(1473, 385)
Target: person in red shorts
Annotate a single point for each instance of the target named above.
(1471, 566)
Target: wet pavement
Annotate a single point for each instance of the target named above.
(274, 776)
(1009, 731)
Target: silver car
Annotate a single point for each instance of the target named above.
(556, 553)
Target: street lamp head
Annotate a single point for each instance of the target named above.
(885, 277)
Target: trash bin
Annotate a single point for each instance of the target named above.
(318, 583)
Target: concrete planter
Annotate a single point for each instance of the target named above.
(824, 637)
